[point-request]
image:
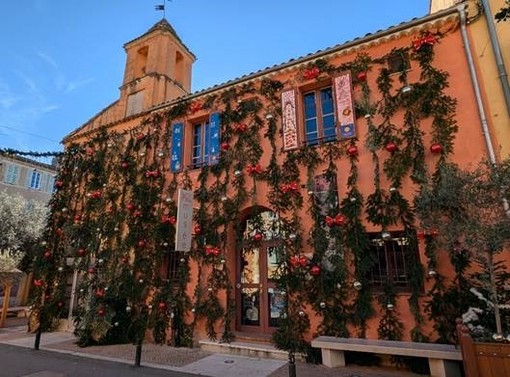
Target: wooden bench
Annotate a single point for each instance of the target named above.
(443, 358)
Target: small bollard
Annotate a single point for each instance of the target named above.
(292, 364)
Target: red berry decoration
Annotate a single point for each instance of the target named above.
(101, 312)
(225, 146)
(47, 254)
(59, 184)
(257, 237)
(162, 305)
(81, 252)
(362, 76)
(436, 148)
(197, 230)
(391, 147)
(315, 270)
(352, 150)
(303, 261)
(38, 282)
(142, 243)
(91, 270)
(124, 165)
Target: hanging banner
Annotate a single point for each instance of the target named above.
(214, 138)
(184, 220)
(176, 155)
(289, 120)
(344, 106)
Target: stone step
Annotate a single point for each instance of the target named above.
(259, 350)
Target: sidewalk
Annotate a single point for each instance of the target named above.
(185, 359)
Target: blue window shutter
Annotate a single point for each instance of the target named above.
(214, 138)
(176, 156)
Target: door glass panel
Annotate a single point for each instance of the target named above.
(251, 306)
(250, 266)
(273, 262)
(276, 305)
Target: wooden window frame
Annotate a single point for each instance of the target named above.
(319, 116)
(198, 161)
(391, 264)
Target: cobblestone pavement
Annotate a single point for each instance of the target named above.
(188, 360)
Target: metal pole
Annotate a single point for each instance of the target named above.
(38, 337)
(292, 364)
(138, 355)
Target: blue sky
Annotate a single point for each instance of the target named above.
(63, 61)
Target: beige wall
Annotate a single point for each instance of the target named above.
(496, 110)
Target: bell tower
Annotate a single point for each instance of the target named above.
(158, 69)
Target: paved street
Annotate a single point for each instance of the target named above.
(25, 362)
(59, 356)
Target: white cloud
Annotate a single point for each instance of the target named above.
(72, 85)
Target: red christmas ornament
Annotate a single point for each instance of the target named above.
(294, 261)
(89, 151)
(47, 254)
(315, 270)
(101, 312)
(303, 261)
(81, 252)
(337, 220)
(391, 147)
(168, 220)
(142, 243)
(436, 148)
(194, 107)
(258, 237)
(361, 76)
(162, 305)
(241, 127)
(130, 206)
(91, 270)
(311, 73)
(38, 282)
(225, 146)
(197, 230)
(137, 213)
(124, 165)
(59, 184)
(352, 150)
(77, 218)
(59, 232)
(100, 292)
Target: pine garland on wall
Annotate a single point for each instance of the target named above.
(126, 176)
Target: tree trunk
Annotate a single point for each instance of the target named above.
(494, 292)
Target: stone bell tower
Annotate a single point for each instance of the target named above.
(158, 69)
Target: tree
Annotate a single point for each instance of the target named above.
(21, 223)
(504, 13)
(470, 210)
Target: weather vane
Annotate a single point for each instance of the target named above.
(161, 7)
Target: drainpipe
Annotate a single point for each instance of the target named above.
(503, 76)
(476, 86)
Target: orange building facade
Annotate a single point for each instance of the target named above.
(304, 178)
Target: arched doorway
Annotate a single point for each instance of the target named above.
(260, 302)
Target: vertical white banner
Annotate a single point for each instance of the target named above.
(184, 220)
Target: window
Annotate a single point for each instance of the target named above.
(398, 62)
(50, 184)
(201, 147)
(11, 174)
(172, 262)
(319, 116)
(35, 180)
(391, 262)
